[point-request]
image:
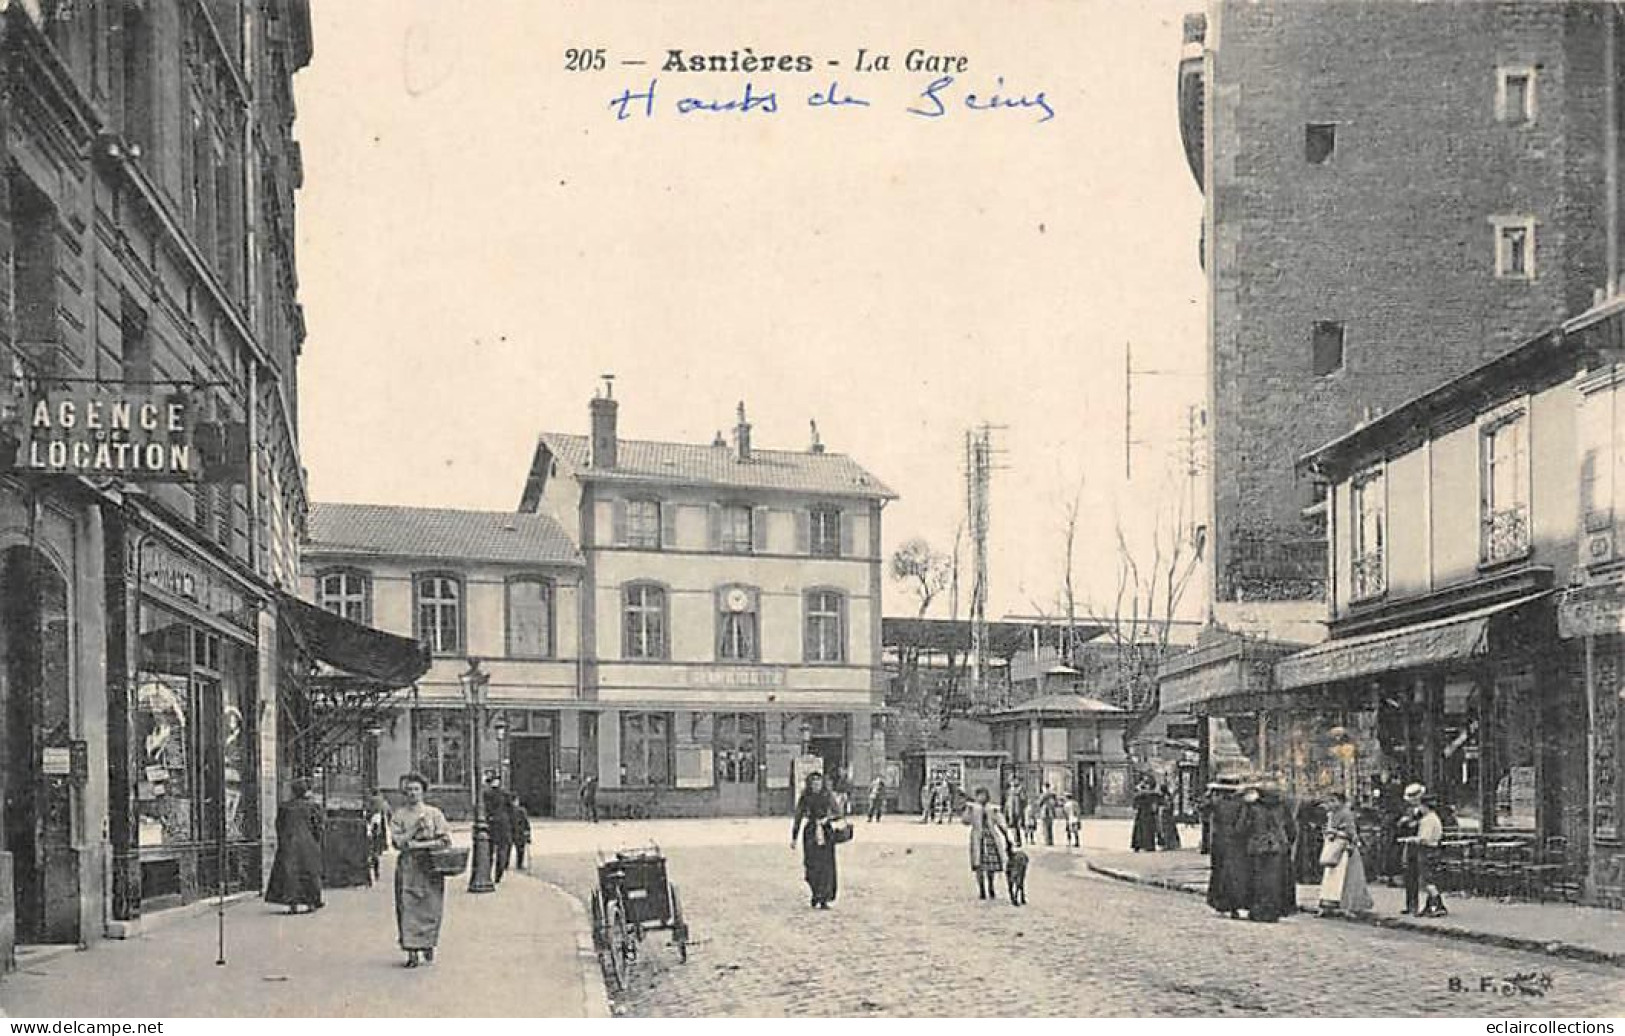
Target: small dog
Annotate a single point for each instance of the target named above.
(1015, 874)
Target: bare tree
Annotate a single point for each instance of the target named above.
(1151, 581)
(924, 569)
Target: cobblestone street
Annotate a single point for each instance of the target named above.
(907, 937)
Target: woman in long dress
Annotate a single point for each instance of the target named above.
(1145, 820)
(816, 812)
(296, 873)
(420, 893)
(988, 837)
(1269, 854)
(1343, 887)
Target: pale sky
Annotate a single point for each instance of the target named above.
(480, 238)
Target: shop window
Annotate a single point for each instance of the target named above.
(1460, 750)
(530, 617)
(1512, 773)
(1368, 571)
(1504, 486)
(643, 632)
(440, 613)
(738, 625)
(824, 532)
(440, 746)
(645, 749)
(826, 620)
(346, 593)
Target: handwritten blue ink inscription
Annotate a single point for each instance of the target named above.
(936, 101)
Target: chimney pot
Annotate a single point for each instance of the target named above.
(817, 443)
(604, 447)
(742, 436)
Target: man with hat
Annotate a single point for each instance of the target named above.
(1420, 832)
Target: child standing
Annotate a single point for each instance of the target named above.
(1074, 822)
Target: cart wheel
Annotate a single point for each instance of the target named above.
(679, 926)
(619, 945)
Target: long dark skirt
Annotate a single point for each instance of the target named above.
(296, 872)
(420, 901)
(1145, 829)
(819, 864)
(1269, 876)
(1167, 830)
(1227, 877)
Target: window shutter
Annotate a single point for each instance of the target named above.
(714, 526)
(803, 532)
(848, 548)
(618, 522)
(806, 627)
(668, 525)
(719, 618)
(840, 628)
(758, 529)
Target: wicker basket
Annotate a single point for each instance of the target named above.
(448, 862)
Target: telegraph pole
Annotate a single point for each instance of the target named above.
(979, 469)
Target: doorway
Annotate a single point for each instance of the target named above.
(37, 808)
(831, 748)
(530, 760)
(1088, 788)
(735, 744)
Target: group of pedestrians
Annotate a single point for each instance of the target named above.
(1024, 816)
(1156, 824)
(416, 830)
(1261, 850)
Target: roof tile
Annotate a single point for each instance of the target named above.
(429, 532)
(787, 470)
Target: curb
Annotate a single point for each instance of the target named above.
(594, 994)
(1569, 951)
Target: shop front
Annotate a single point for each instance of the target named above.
(1591, 619)
(712, 762)
(185, 747)
(1469, 705)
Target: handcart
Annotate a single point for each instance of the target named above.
(634, 896)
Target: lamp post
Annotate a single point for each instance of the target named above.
(499, 727)
(474, 684)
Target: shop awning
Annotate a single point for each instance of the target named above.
(352, 647)
(1451, 639)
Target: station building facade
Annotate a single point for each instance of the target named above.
(714, 615)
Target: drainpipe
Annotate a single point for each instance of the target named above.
(1610, 109)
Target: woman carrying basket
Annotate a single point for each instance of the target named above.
(420, 891)
(817, 815)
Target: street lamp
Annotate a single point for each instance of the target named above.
(474, 684)
(499, 727)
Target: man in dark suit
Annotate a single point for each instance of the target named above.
(499, 823)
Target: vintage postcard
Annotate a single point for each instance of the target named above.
(680, 509)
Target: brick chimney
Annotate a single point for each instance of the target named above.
(742, 436)
(604, 443)
(817, 445)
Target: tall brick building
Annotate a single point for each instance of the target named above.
(146, 261)
(1395, 193)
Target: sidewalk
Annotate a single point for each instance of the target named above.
(1561, 929)
(517, 952)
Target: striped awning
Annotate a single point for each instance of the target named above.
(1451, 639)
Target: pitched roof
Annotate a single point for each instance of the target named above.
(795, 471)
(1075, 704)
(432, 532)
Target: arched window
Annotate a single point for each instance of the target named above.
(643, 632)
(440, 612)
(530, 617)
(345, 592)
(738, 625)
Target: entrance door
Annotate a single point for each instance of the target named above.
(1088, 789)
(531, 762)
(831, 748)
(33, 716)
(736, 748)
